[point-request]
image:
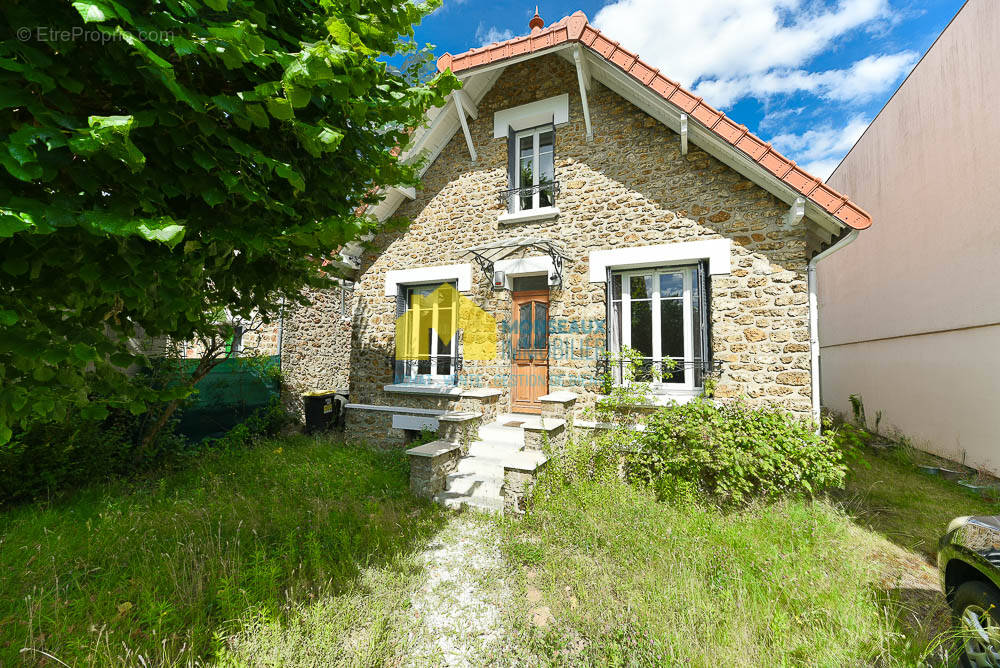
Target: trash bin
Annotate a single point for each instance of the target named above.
(322, 410)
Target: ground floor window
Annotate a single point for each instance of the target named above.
(427, 322)
(662, 314)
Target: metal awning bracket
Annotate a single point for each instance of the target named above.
(487, 255)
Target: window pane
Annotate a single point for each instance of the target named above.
(642, 328)
(524, 327)
(443, 358)
(672, 335)
(541, 325)
(696, 325)
(616, 286)
(641, 287)
(672, 285)
(522, 283)
(546, 168)
(526, 169)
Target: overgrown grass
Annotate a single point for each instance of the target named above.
(633, 581)
(887, 494)
(239, 558)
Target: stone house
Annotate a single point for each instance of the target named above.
(588, 204)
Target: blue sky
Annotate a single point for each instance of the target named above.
(806, 75)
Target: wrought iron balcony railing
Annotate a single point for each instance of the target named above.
(523, 199)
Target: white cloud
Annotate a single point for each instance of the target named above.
(820, 149)
(487, 35)
(738, 48)
(861, 82)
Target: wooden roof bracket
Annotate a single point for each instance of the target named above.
(583, 78)
(462, 106)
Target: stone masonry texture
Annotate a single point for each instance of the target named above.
(630, 187)
(316, 346)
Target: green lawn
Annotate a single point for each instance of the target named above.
(243, 556)
(630, 581)
(303, 552)
(887, 494)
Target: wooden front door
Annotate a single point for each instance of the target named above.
(530, 372)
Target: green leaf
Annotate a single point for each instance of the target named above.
(213, 196)
(19, 171)
(84, 353)
(11, 224)
(170, 235)
(7, 318)
(5, 434)
(298, 96)
(257, 115)
(280, 108)
(92, 11)
(15, 266)
(218, 5)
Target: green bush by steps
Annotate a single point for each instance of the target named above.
(732, 454)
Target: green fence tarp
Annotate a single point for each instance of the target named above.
(228, 395)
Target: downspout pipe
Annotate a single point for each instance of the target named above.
(814, 320)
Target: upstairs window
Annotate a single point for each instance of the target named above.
(531, 168)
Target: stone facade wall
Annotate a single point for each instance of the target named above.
(316, 346)
(630, 187)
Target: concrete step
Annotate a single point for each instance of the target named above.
(487, 504)
(493, 449)
(490, 467)
(473, 484)
(496, 432)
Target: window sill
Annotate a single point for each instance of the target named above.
(529, 216)
(417, 388)
(664, 397)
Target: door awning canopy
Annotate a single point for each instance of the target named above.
(487, 254)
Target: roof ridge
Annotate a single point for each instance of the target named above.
(577, 28)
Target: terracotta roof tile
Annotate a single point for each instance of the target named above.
(576, 28)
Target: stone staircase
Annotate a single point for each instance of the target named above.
(478, 479)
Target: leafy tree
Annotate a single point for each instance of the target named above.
(162, 161)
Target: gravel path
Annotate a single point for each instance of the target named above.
(459, 606)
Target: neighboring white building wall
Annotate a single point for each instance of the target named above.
(910, 313)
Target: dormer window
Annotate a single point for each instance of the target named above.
(534, 173)
(530, 129)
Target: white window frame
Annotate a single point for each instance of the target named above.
(411, 375)
(535, 133)
(687, 363)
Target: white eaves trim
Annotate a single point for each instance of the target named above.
(718, 252)
(460, 273)
(554, 109)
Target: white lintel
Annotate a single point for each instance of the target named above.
(718, 252)
(553, 109)
(460, 273)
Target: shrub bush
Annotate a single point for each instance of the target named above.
(732, 453)
(56, 457)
